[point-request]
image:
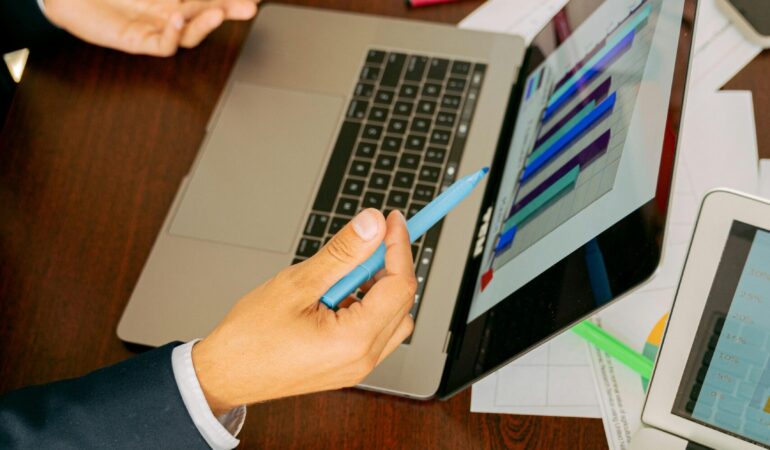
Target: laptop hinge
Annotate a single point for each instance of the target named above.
(447, 341)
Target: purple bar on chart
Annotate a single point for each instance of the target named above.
(505, 241)
(580, 64)
(540, 78)
(598, 94)
(586, 156)
(616, 52)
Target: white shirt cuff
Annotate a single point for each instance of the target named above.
(218, 432)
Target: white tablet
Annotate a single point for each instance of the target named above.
(712, 379)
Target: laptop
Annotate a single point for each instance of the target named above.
(327, 113)
(711, 385)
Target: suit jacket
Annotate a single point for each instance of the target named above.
(22, 24)
(132, 405)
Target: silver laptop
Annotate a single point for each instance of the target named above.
(327, 113)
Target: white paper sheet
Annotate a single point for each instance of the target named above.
(764, 178)
(552, 380)
(521, 17)
(718, 150)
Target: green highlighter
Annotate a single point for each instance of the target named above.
(618, 350)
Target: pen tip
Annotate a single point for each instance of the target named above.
(485, 170)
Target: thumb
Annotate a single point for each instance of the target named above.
(351, 246)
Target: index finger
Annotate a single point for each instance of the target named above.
(394, 292)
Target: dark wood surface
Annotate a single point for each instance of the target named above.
(91, 154)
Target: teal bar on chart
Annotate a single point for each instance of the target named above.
(561, 185)
(629, 27)
(562, 131)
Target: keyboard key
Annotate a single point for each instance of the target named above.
(308, 247)
(370, 73)
(455, 84)
(379, 181)
(435, 155)
(440, 137)
(336, 224)
(461, 68)
(426, 107)
(437, 69)
(357, 109)
(366, 149)
(335, 169)
(431, 90)
(393, 67)
(374, 200)
(383, 97)
(430, 174)
(398, 199)
(409, 161)
(403, 180)
(316, 225)
(372, 132)
(403, 108)
(420, 125)
(360, 168)
(378, 114)
(364, 90)
(415, 142)
(347, 206)
(451, 101)
(391, 144)
(385, 162)
(446, 119)
(397, 126)
(415, 68)
(353, 187)
(413, 209)
(423, 193)
(407, 91)
(375, 57)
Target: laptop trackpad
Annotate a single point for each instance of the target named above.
(259, 169)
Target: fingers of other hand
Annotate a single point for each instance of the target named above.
(145, 38)
(200, 26)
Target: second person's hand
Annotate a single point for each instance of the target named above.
(150, 27)
(280, 341)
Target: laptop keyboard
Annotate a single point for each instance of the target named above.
(400, 144)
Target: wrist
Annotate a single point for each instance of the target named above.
(212, 379)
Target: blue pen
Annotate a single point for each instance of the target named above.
(418, 225)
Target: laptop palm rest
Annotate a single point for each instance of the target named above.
(259, 168)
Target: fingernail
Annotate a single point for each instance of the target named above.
(366, 225)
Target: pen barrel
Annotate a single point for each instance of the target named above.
(421, 222)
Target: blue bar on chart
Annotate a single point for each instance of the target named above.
(613, 49)
(541, 201)
(534, 83)
(586, 156)
(568, 137)
(505, 241)
(596, 95)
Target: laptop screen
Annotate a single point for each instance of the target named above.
(726, 382)
(576, 202)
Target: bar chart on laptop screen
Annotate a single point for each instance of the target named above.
(576, 150)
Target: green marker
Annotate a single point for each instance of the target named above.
(618, 350)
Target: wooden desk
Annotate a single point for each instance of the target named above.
(91, 154)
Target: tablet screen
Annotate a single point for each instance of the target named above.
(585, 150)
(726, 382)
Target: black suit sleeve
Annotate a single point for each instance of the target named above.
(133, 405)
(22, 24)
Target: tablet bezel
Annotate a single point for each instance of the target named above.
(720, 208)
